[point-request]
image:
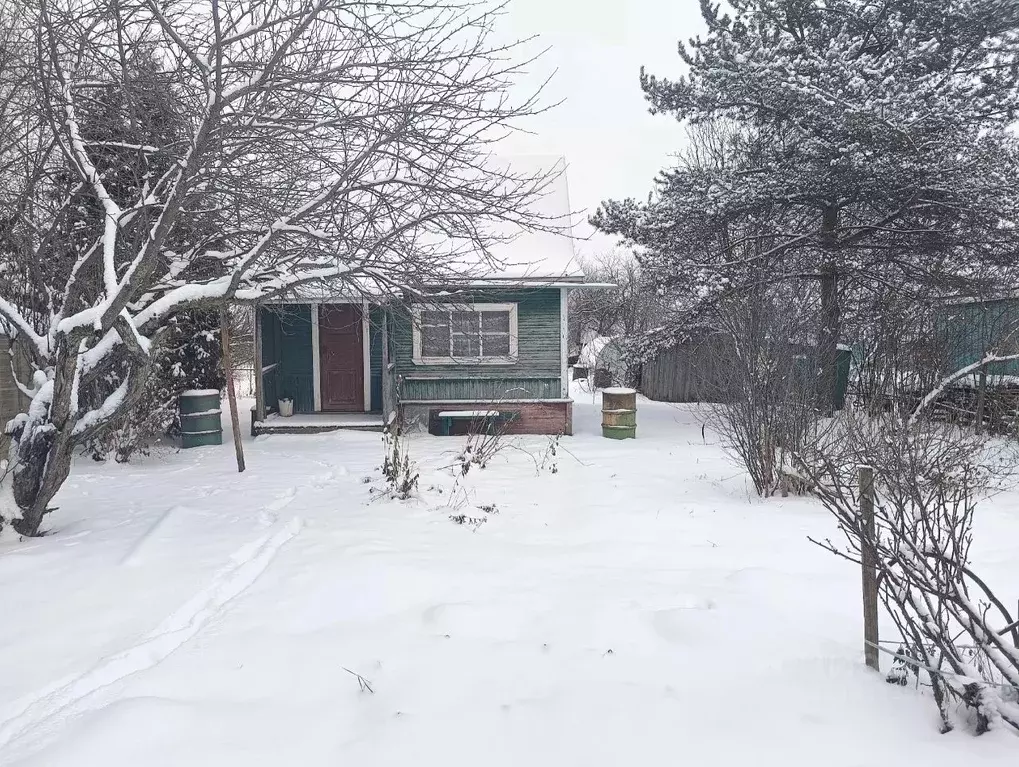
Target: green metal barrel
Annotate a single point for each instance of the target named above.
(619, 413)
(201, 420)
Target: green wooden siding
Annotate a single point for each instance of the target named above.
(480, 389)
(974, 329)
(535, 375)
(272, 342)
(286, 340)
(375, 315)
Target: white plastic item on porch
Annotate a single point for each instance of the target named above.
(286, 407)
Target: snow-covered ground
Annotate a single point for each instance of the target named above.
(635, 607)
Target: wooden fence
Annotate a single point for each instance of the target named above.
(12, 401)
(692, 372)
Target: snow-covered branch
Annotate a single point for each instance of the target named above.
(185, 157)
(932, 396)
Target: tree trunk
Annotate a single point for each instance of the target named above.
(43, 444)
(231, 389)
(42, 463)
(828, 341)
(831, 316)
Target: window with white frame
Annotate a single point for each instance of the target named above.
(480, 333)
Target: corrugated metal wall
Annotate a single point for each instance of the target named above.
(536, 374)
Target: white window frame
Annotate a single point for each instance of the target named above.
(420, 359)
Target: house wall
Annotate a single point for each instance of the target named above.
(973, 329)
(530, 417)
(536, 375)
(287, 340)
(376, 340)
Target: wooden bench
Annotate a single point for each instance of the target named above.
(487, 418)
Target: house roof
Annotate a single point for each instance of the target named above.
(544, 253)
(531, 257)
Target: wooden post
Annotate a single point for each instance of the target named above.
(868, 558)
(981, 400)
(259, 394)
(387, 383)
(231, 389)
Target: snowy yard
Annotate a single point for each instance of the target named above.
(636, 607)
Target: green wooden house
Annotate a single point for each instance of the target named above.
(490, 343)
(972, 328)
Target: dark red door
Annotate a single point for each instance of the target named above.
(341, 357)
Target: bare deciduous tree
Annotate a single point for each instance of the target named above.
(625, 310)
(760, 379)
(328, 139)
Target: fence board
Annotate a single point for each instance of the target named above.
(689, 372)
(12, 401)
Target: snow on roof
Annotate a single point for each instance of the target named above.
(592, 351)
(545, 254)
(520, 256)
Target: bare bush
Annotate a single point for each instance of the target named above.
(905, 347)
(484, 441)
(764, 404)
(955, 632)
(401, 475)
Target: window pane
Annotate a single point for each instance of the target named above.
(435, 341)
(464, 322)
(495, 322)
(467, 345)
(497, 344)
(435, 318)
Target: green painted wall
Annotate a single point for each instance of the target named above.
(375, 316)
(272, 341)
(535, 375)
(976, 328)
(286, 339)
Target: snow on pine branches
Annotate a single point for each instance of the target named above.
(845, 144)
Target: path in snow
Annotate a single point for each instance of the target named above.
(637, 606)
(245, 566)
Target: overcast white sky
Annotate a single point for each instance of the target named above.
(603, 129)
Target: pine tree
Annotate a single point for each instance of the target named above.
(188, 356)
(856, 143)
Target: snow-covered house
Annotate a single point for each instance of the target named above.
(604, 353)
(491, 340)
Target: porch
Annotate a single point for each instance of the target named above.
(328, 358)
(316, 423)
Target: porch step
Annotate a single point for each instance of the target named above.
(318, 423)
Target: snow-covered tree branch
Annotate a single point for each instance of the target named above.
(161, 157)
(845, 143)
